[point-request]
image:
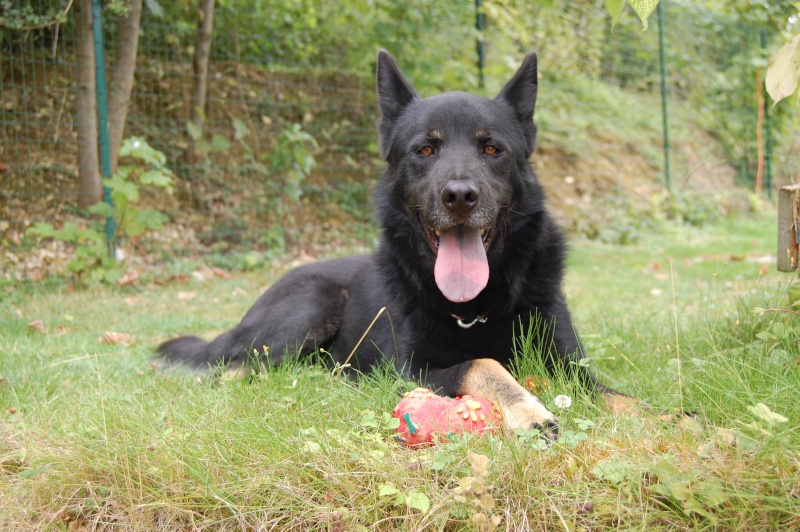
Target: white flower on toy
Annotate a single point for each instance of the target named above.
(563, 401)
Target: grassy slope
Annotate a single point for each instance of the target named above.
(90, 435)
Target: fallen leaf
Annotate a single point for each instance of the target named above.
(691, 425)
(725, 437)
(302, 259)
(219, 272)
(129, 279)
(209, 272)
(37, 325)
(479, 463)
(115, 338)
(337, 522)
(203, 273)
(183, 296)
(621, 405)
(238, 291)
(61, 330)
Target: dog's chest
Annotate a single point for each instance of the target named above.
(449, 343)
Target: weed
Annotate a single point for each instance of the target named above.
(94, 258)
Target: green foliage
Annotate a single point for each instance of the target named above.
(147, 170)
(414, 499)
(292, 160)
(691, 491)
(316, 33)
(288, 165)
(643, 8)
(617, 219)
(92, 260)
(23, 16)
(713, 56)
(204, 147)
(568, 37)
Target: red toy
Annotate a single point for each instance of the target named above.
(426, 417)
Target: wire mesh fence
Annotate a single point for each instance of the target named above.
(315, 69)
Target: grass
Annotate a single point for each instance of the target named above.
(91, 438)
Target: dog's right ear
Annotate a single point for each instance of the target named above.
(394, 94)
(520, 94)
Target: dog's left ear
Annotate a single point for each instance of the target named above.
(394, 94)
(520, 93)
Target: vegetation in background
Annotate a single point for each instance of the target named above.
(713, 50)
(276, 63)
(94, 259)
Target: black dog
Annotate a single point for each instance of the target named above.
(468, 257)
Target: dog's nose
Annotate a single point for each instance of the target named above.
(460, 197)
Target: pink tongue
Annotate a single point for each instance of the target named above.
(461, 269)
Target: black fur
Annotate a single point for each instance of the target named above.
(460, 183)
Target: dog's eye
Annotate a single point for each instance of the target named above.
(426, 151)
(489, 149)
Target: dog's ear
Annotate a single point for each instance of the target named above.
(520, 92)
(394, 94)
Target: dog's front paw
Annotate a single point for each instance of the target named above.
(529, 413)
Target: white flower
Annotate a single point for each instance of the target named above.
(563, 401)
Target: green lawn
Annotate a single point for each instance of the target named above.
(91, 437)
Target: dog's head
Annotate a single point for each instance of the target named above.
(458, 165)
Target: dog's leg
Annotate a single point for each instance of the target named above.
(485, 377)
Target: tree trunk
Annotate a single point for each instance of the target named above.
(202, 50)
(90, 186)
(119, 94)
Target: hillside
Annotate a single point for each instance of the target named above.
(599, 156)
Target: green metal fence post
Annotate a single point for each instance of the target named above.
(479, 25)
(102, 115)
(665, 122)
(767, 133)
